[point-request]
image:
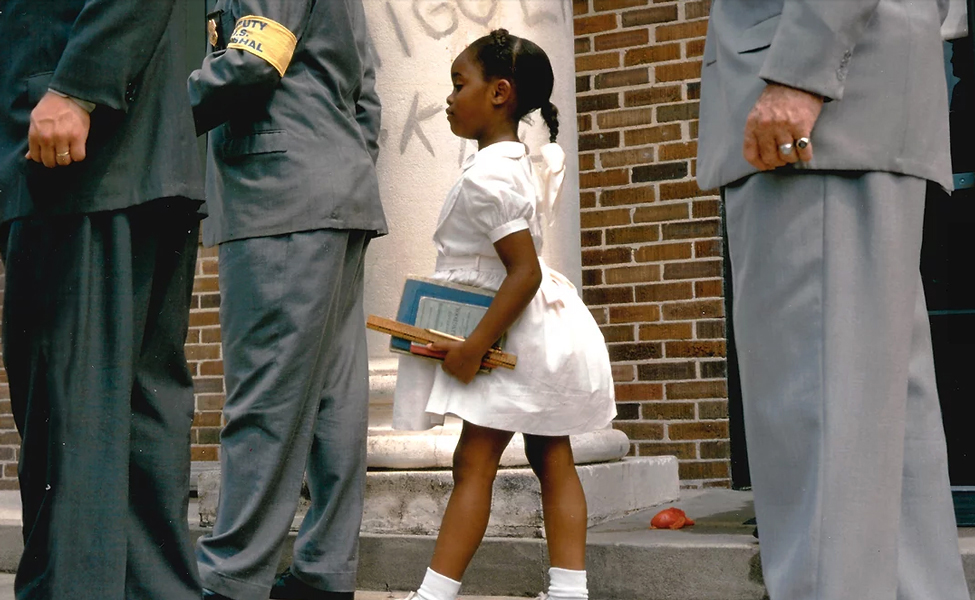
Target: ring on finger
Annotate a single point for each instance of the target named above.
(802, 143)
(785, 149)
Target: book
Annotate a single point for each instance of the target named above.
(419, 338)
(451, 308)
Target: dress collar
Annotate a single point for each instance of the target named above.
(513, 150)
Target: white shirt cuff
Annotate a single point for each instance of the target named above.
(507, 229)
(88, 106)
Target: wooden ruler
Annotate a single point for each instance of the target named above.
(494, 357)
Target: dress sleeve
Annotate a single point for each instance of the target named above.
(496, 204)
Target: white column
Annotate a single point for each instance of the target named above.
(415, 42)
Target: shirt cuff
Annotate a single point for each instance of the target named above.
(88, 106)
(507, 229)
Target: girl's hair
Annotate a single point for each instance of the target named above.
(526, 66)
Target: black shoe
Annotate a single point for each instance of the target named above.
(211, 595)
(289, 587)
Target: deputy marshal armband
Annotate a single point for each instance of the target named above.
(266, 39)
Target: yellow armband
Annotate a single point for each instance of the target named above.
(265, 39)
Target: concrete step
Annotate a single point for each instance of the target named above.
(717, 559)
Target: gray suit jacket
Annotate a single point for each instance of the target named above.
(126, 57)
(294, 152)
(879, 63)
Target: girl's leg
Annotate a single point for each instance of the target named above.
(563, 501)
(565, 513)
(465, 519)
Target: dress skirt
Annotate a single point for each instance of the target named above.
(562, 384)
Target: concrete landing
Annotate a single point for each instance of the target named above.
(717, 559)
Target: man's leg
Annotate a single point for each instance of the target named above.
(161, 561)
(277, 297)
(76, 287)
(825, 287)
(326, 551)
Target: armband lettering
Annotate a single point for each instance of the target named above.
(266, 39)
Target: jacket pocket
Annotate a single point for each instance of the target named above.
(262, 142)
(758, 36)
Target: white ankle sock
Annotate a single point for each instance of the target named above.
(564, 584)
(438, 587)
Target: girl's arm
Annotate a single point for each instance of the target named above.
(517, 252)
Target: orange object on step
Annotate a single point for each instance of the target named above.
(670, 518)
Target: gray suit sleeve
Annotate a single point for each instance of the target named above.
(110, 45)
(814, 43)
(233, 80)
(368, 110)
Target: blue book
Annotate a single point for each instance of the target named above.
(450, 308)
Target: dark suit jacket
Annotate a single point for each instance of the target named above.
(293, 152)
(123, 55)
(880, 62)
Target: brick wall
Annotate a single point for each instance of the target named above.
(651, 252)
(651, 247)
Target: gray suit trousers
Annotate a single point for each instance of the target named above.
(297, 377)
(96, 310)
(846, 444)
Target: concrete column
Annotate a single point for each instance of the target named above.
(415, 42)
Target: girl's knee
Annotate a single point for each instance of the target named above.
(547, 453)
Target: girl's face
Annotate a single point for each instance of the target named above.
(470, 109)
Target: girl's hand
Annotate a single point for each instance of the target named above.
(462, 360)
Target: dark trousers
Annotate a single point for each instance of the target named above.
(95, 318)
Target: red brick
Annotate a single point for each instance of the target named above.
(207, 419)
(600, 315)
(661, 212)
(595, 141)
(667, 331)
(680, 190)
(706, 208)
(660, 172)
(591, 237)
(206, 284)
(589, 219)
(622, 39)
(624, 118)
(211, 367)
(681, 450)
(587, 199)
(707, 248)
(700, 430)
(622, 78)
(715, 450)
(210, 335)
(204, 453)
(694, 269)
(677, 72)
(713, 288)
(623, 373)
(584, 122)
(587, 162)
(208, 385)
(601, 5)
(677, 151)
(715, 409)
(651, 135)
(668, 411)
(595, 179)
(692, 229)
(592, 276)
(582, 45)
(629, 195)
(596, 296)
(204, 318)
(634, 313)
(632, 235)
(641, 431)
(652, 95)
(697, 309)
(679, 31)
(693, 390)
(662, 252)
(662, 292)
(595, 24)
(598, 62)
(580, 7)
(718, 469)
(695, 349)
(697, 10)
(639, 392)
(202, 352)
(640, 274)
(651, 54)
(608, 256)
(210, 401)
(694, 48)
(666, 371)
(617, 333)
(714, 369)
(678, 112)
(637, 156)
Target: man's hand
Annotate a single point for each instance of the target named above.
(462, 360)
(781, 115)
(58, 131)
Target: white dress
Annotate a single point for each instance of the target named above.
(562, 383)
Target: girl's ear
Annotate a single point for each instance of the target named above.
(501, 91)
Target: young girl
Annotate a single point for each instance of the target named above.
(489, 236)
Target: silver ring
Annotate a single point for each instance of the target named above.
(802, 143)
(785, 149)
